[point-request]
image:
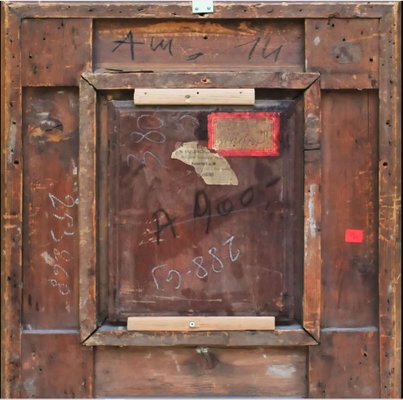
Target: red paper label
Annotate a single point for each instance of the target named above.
(354, 236)
(244, 133)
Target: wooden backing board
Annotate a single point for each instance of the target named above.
(184, 324)
(194, 96)
(333, 369)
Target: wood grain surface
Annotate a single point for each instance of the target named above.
(200, 372)
(50, 128)
(148, 45)
(55, 51)
(351, 150)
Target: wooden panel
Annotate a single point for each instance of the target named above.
(349, 202)
(144, 45)
(188, 324)
(390, 242)
(55, 365)
(194, 96)
(345, 365)
(200, 371)
(55, 51)
(50, 129)
(11, 203)
(344, 51)
(175, 251)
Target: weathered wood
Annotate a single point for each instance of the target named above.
(87, 210)
(175, 273)
(194, 97)
(55, 51)
(344, 51)
(312, 211)
(192, 45)
(55, 365)
(50, 129)
(292, 335)
(11, 189)
(312, 112)
(312, 242)
(349, 146)
(189, 324)
(349, 202)
(222, 11)
(345, 364)
(200, 372)
(252, 79)
(390, 204)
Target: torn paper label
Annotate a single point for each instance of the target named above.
(212, 168)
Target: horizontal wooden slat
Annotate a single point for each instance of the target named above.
(200, 323)
(290, 335)
(245, 79)
(194, 96)
(270, 10)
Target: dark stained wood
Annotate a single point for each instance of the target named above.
(344, 51)
(390, 282)
(87, 211)
(50, 129)
(11, 197)
(55, 365)
(213, 262)
(312, 209)
(173, 45)
(349, 202)
(346, 364)
(200, 372)
(223, 11)
(287, 335)
(252, 79)
(55, 51)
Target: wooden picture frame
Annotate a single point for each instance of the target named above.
(95, 333)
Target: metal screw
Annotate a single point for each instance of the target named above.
(192, 324)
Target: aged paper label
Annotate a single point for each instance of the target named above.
(244, 133)
(212, 168)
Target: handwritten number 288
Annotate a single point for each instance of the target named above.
(199, 266)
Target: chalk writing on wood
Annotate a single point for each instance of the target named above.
(63, 226)
(200, 266)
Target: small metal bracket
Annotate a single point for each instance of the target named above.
(202, 6)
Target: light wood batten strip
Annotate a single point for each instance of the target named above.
(187, 324)
(194, 97)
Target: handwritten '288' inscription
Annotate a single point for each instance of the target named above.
(135, 45)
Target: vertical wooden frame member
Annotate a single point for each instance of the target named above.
(11, 187)
(312, 211)
(390, 204)
(87, 209)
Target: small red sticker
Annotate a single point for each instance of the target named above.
(354, 236)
